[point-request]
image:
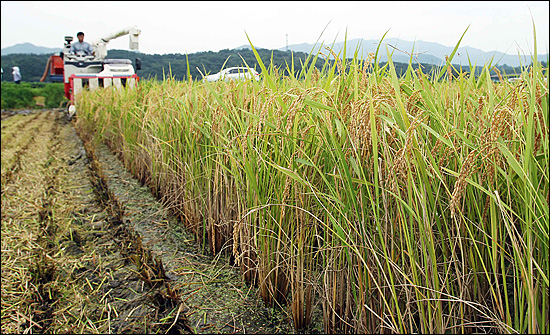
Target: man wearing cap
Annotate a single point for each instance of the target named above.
(81, 47)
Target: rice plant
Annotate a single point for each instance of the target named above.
(414, 203)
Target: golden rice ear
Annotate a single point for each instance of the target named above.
(334, 203)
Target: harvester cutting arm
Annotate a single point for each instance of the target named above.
(100, 45)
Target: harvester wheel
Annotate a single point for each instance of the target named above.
(71, 110)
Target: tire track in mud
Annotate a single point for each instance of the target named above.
(165, 299)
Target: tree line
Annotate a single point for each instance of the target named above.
(178, 66)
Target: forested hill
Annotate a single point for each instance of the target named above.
(209, 62)
(160, 66)
(154, 65)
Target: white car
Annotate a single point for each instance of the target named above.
(232, 73)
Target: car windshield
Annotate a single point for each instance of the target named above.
(238, 70)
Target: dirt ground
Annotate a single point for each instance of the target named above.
(87, 249)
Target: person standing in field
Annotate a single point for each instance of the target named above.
(81, 47)
(16, 74)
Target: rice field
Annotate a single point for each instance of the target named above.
(402, 204)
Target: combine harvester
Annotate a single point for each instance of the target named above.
(93, 71)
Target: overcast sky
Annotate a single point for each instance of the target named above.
(189, 26)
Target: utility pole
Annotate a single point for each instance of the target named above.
(286, 42)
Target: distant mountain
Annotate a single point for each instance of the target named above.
(28, 48)
(425, 52)
(247, 47)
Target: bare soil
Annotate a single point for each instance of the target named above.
(87, 249)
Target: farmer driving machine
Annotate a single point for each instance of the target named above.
(78, 71)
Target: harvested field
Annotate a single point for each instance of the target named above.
(87, 249)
